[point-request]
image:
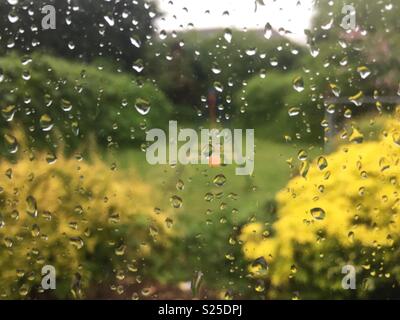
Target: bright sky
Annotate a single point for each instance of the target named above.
(292, 15)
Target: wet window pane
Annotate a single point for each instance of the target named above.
(182, 149)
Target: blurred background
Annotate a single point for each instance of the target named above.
(77, 193)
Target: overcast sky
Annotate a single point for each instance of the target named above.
(292, 15)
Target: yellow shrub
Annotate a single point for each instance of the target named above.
(84, 218)
(345, 211)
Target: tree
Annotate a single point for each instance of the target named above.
(84, 29)
(373, 44)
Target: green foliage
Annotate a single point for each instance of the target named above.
(342, 211)
(273, 107)
(90, 222)
(264, 99)
(85, 28)
(79, 100)
(188, 66)
(373, 16)
(373, 44)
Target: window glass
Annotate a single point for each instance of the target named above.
(182, 149)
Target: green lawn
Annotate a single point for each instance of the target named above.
(270, 175)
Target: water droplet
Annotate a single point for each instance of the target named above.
(304, 168)
(176, 202)
(35, 231)
(351, 236)
(356, 136)
(163, 34)
(153, 231)
(273, 61)
(75, 128)
(12, 143)
(314, 51)
(209, 197)
(46, 122)
(396, 138)
(135, 40)
(71, 45)
(251, 52)
(327, 26)
(110, 20)
(135, 296)
(228, 295)
(48, 100)
(219, 180)
(132, 267)
(31, 206)
(322, 163)
(389, 6)
(296, 296)
(318, 213)
(13, 17)
(66, 105)
(76, 286)
(215, 68)
(8, 242)
(142, 106)
(218, 86)
(23, 290)
(138, 65)
(260, 266)
(260, 286)
(120, 251)
(169, 222)
(196, 283)
(76, 242)
(228, 35)
(364, 72)
(113, 217)
(180, 185)
(302, 155)
(335, 89)
(268, 31)
(348, 114)
(357, 99)
(298, 84)
(294, 111)
(8, 112)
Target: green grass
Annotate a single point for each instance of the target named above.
(271, 173)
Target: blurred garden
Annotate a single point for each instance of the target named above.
(77, 193)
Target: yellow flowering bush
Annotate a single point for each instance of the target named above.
(87, 219)
(344, 211)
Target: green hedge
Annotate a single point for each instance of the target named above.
(265, 104)
(101, 103)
